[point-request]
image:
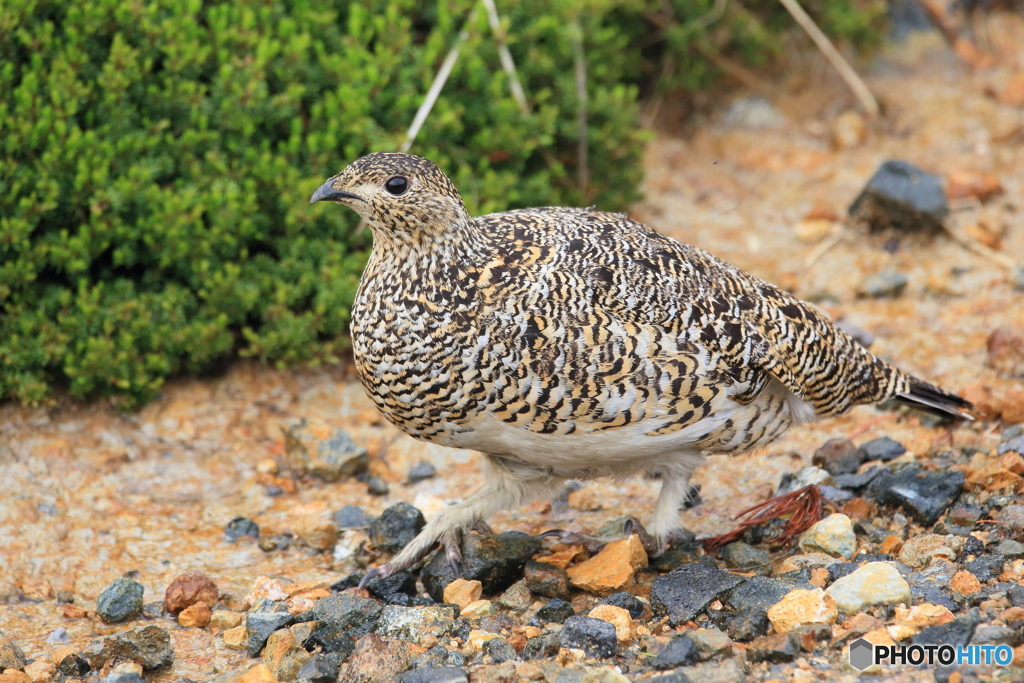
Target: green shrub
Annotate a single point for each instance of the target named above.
(157, 158)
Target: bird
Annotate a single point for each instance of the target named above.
(570, 344)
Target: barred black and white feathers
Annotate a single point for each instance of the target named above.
(572, 343)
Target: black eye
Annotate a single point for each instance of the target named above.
(397, 185)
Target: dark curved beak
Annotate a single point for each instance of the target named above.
(327, 193)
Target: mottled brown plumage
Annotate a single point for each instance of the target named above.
(573, 343)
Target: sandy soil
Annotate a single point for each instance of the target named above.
(89, 494)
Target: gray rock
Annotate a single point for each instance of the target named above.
(956, 632)
(746, 557)
(1014, 445)
(120, 601)
(903, 197)
(995, 634)
(1009, 549)
(499, 650)
(73, 666)
(322, 667)
(333, 638)
(11, 656)
(149, 646)
(626, 601)
(556, 611)
(883, 448)
(761, 591)
(856, 482)
(328, 459)
(259, 626)
(413, 623)
(340, 619)
(710, 643)
(838, 456)
(396, 526)
(398, 589)
(679, 651)
(594, 636)
(964, 514)
(887, 283)
(351, 517)
(782, 647)
(546, 645)
(986, 567)
(684, 593)
(1013, 515)
(747, 624)
(240, 527)
(376, 486)
(421, 471)
(495, 560)
(438, 674)
(131, 677)
(546, 580)
(518, 597)
(925, 495)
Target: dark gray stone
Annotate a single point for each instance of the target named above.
(73, 666)
(1011, 550)
(956, 632)
(964, 514)
(836, 496)
(351, 517)
(856, 482)
(673, 677)
(783, 647)
(1016, 595)
(499, 650)
(546, 580)
(240, 527)
(149, 646)
(903, 197)
(986, 567)
(333, 638)
(995, 634)
(396, 589)
(746, 557)
(594, 636)
(556, 611)
(435, 674)
(679, 651)
(350, 613)
(495, 560)
(259, 626)
(838, 570)
(747, 624)
(396, 526)
(376, 486)
(924, 495)
(120, 601)
(421, 471)
(684, 593)
(626, 601)
(761, 591)
(883, 448)
(322, 667)
(546, 645)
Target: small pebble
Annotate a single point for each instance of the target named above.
(617, 617)
(782, 647)
(883, 448)
(876, 583)
(189, 588)
(120, 601)
(801, 607)
(239, 527)
(73, 666)
(887, 283)
(626, 601)
(903, 197)
(679, 651)
(556, 611)
(832, 535)
(838, 456)
(396, 526)
(499, 650)
(421, 471)
(351, 517)
(745, 557)
(546, 580)
(11, 656)
(322, 667)
(461, 592)
(376, 486)
(595, 637)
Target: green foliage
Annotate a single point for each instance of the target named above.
(156, 159)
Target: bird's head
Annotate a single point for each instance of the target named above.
(400, 196)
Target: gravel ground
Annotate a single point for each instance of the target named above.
(93, 498)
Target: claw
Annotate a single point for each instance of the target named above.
(381, 572)
(633, 526)
(482, 527)
(454, 556)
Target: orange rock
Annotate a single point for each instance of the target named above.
(986, 405)
(910, 622)
(612, 569)
(235, 638)
(1013, 572)
(587, 499)
(462, 592)
(965, 583)
(617, 617)
(989, 234)
(304, 601)
(857, 509)
(891, 545)
(266, 587)
(803, 606)
(257, 674)
(848, 130)
(317, 531)
(1018, 656)
(224, 619)
(1011, 461)
(960, 184)
(563, 558)
(69, 611)
(814, 230)
(195, 616)
(1013, 93)
(819, 577)
(41, 670)
(14, 676)
(822, 211)
(994, 479)
(293, 589)
(188, 589)
(1013, 407)
(36, 589)
(1006, 350)
(283, 656)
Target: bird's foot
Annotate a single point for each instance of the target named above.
(452, 542)
(591, 543)
(381, 572)
(633, 526)
(482, 527)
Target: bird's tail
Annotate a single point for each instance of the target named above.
(932, 399)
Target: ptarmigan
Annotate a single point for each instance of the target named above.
(572, 343)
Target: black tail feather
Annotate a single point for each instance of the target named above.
(932, 399)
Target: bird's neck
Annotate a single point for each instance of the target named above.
(425, 255)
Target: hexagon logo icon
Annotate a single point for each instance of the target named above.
(862, 654)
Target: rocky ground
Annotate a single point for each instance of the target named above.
(218, 533)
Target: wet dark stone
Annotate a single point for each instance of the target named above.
(956, 632)
(883, 448)
(332, 637)
(546, 645)
(435, 674)
(259, 626)
(838, 497)
(499, 650)
(903, 197)
(838, 456)
(322, 667)
(684, 593)
(626, 601)
(396, 526)
(856, 482)
(376, 486)
(838, 570)
(73, 666)
(986, 567)
(397, 589)
(782, 647)
(239, 527)
(674, 558)
(1010, 550)
(351, 517)
(421, 471)
(495, 560)
(747, 624)
(679, 651)
(350, 613)
(556, 611)
(761, 591)
(746, 557)
(594, 636)
(149, 646)
(120, 601)
(935, 596)
(546, 580)
(924, 495)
